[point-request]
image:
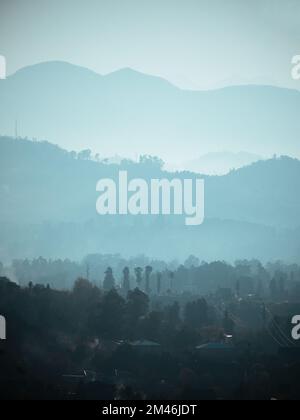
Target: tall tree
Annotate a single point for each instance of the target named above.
(137, 304)
(126, 280)
(138, 274)
(158, 283)
(109, 281)
(148, 272)
(171, 277)
(110, 318)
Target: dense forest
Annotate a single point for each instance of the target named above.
(195, 331)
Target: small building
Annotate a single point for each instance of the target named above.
(146, 346)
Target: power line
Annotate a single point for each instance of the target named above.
(290, 342)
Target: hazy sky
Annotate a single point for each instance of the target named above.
(193, 43)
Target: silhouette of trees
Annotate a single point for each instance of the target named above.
(228, 324)
(172, 277)
(138, 274)
(158, 283)
(148, 271)
(84, 154)
(153, 162)
(192, 261)
(172, 314)
(94, 330)
(109, 281)
(137, 304)
(195, 313)
(274, 288)
(243, 279)
(83, 291)
(151, 325)
(126, 280)
(110, 318)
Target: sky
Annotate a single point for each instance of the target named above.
(195, 44)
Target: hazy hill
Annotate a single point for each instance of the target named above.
(127, 111)
(220, 163)
(40, 181)
(48, 201)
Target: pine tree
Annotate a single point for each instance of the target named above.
(109, 281)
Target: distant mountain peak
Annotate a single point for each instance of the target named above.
(127, 74)
(220, 163)
(63, 70)
(53, 69)
(128, 112)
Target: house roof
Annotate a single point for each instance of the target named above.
(144, 343)
(215, 346)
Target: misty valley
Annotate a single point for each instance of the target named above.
(138, 307)
(149, 221)
(245, 216)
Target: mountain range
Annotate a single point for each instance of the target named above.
(127, 112)
(48, 198)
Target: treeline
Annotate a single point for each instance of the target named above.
(51, 333)
(275, 280)
(87, 312)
